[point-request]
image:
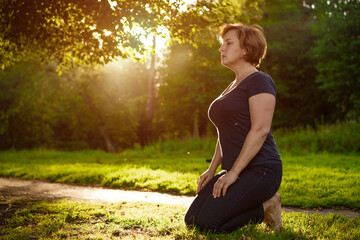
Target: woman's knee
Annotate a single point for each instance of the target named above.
(207, 223)
(189, 219)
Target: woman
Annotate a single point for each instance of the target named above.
(246, 190)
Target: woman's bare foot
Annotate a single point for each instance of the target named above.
(272, 212)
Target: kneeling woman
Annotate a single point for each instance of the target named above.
(246, 190)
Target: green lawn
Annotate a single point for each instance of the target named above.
(73, 220)
(311, 180)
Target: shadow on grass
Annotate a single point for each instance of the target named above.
(29, 219)
(251, 231)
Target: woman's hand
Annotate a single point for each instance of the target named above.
(204, 179)
(223, 183)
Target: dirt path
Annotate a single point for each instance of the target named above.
(11, 188)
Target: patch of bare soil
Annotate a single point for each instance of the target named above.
(13, 189)
(8, 208)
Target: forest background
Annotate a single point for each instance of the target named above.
(49, 101)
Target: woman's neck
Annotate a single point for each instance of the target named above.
(243, 70)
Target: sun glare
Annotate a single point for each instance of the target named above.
(162, 35)
(161, 38)
(106, 32)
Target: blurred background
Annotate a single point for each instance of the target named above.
(160, 87)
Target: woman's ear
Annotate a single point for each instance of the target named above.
(243, 51)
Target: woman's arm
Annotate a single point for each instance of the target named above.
(216, 160)
(210, 172)
(262, 108)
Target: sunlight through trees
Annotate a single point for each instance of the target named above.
(312, 56)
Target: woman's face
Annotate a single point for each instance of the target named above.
(230, 49)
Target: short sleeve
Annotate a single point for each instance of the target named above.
(261, 83)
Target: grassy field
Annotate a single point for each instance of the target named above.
(72, 220)
(312, 180)
(320, 169)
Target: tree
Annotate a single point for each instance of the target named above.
(337, 52)
(190, 80)
(290, 61)
(83, 108)
(73, 32)
(114, 122)
(27, 105)
(192, 77)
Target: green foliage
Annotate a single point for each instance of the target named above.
(337, 52)
(192, 79)
(70, 112)
(28, 102)
(335, 138)
(192, 76)
(126, 220)
(75, 32)
(290, 62)
(107, 100)
(78, 109)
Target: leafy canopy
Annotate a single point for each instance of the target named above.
(94, 31)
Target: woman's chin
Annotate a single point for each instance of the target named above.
(223, 63)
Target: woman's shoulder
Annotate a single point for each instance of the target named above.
(259, 82)
(262, 75)
(257, 78)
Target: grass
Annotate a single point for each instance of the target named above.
(79, 220)
(312, 180)
(339, 138)
(320, 168)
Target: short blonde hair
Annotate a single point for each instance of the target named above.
(251, 38)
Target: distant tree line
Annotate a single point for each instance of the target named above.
(313, 56)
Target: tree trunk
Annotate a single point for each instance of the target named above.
(150, 99)
(196, 125)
